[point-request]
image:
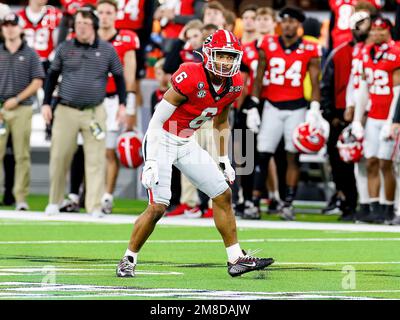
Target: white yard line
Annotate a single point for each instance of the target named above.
(198, 241)
(37, 290)
(127, 219)
(185, 296)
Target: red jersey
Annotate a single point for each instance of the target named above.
(286, 69)
(250, 60)
(130, 14)
(39, 36)
(72, 5)
(123, 41)
(203, 102)
(379, 63)
(342, 10)
(357, 64)
(181, 8)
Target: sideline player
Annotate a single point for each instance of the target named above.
(381, 68)
(125, 42)
(282, 66)
(200, 92)
(40, 23)
(264, 23)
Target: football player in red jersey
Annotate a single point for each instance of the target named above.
(336, 94)
(264, 23)
(360, 23)
(131, 16)
(199, 92)
(125, 43)
(342, 10)
(282, 66)
(381, 81)
(40, 22)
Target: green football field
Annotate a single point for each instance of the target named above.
(42, 259)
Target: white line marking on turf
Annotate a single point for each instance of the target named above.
(95, 267)
(127, 219)
(12, 271)
(198, 241)
(22, 289)
(185, 296)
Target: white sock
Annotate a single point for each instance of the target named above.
(271, 195)
(131, 254)
(234, 252)
(274, 195)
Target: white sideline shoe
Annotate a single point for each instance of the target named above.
(52, 209)
(22, 206)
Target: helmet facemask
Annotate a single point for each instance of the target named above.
(223, 68)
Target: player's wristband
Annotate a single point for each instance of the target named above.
(131, 103)
(250, 102)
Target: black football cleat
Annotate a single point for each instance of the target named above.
(275, 206)
(248, 263)
(126, 268)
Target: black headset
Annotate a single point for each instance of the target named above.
(93, 16)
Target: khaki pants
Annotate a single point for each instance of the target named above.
(67, 123)
(205, 138)
(18, 123)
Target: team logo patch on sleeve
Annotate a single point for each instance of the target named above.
(201, 94)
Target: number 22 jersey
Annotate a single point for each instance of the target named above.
(203, 102)
(379, 63)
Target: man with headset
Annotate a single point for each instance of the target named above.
(84, 64)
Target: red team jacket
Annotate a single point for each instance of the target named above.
(203, 103)
(40, 36)
(379, 63)
(123, 41)
(342, 61)
(286, 69)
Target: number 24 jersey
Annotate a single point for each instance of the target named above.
(286, 68)
(203, 102)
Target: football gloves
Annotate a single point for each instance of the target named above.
(253, 119)
(313, 116)
(229, 172)
(357, 130)
(150, 174)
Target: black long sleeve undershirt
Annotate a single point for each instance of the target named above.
(50, 85)
(121, 88)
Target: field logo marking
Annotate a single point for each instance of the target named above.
(349, 280)
(49, 277)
